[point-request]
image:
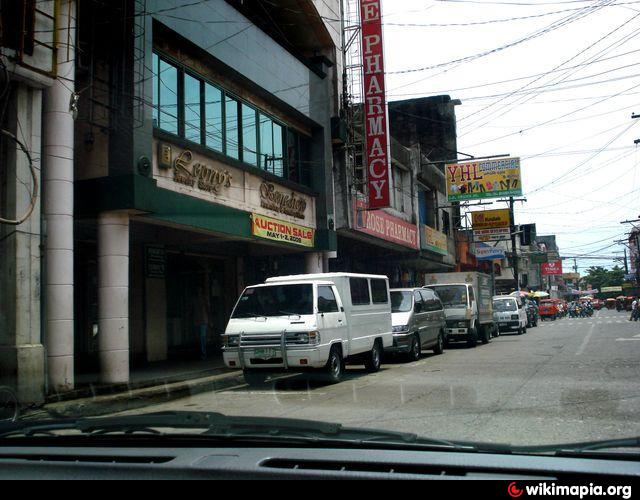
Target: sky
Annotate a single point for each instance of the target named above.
(554, 82)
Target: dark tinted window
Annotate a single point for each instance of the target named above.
(326, 300)
(360, 291)
(379, 291)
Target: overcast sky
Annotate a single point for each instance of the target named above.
(573, 84)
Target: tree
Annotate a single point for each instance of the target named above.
(599, 277)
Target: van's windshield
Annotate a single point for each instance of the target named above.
(452, 295)
(401, 301)
(503, 305)
(276, 300)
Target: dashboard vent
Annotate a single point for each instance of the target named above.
(384, 468)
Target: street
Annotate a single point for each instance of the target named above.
(564, 381)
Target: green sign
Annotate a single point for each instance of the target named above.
(539, 258)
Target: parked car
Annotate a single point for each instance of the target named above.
(548, 309)
(509, 314)
(418, 321)
(467, 305)
(310, 322)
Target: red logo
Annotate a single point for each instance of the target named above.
(514, 491)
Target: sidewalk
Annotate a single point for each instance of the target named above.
(159, 382)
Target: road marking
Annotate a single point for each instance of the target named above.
(585, 341)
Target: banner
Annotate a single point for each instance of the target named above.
(386, 227)
(375, 105)
(498, 234)
(435, 241)
(483, 179)
(491, 219)
(277, 230)
(487, 252)
(552, 268)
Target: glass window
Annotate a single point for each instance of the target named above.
(452, 296)
(327, 302)
(249, 135)
(401, 302)
(232, 128)
(292, 156)
(305, 161)
(360, 291)
(168, 97)
(505, 305)
(278, 150)
(273, 301)
(266, 143)
(192, 102)
(417, 297)
(379, 292)
(213, 117)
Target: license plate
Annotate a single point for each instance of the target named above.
(266, 353)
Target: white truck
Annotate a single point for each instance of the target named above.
(310, 322)
(468, 305)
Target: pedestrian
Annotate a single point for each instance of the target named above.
(201, 319)
(634, 310)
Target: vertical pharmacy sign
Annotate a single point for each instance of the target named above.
(375, 105)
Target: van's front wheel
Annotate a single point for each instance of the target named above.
(373, 360)
(334, 369)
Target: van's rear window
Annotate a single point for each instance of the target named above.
(360, 291)
(379, 292)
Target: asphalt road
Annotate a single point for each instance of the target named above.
(564, 381)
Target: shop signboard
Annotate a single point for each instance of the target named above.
(491, 219)
(282, 231)
(435, 241)
(571, 276)
(487, 252)
(376, 130)
(484, 179)
(155, 262)
(539, 258)
(498, 234)
(611, 289)
(382, 225)
(552, 268)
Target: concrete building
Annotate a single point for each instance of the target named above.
(187, 152)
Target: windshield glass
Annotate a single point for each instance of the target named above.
(452, 295)
(278, 300)
(204, 206)
(504, 305)
(401, 301)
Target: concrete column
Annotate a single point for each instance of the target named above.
(314, 263)
(113, 296)
(58, 207)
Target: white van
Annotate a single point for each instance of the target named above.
(314, 321)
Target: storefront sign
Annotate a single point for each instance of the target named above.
(279, 201)
(193, 173)
(611, 289)
(487, 252)
(552, 268)
(539, 258)
(277, 230)
(499, 234)
(376, 133)
(156, 263)
(483, 179)
(387, 227)
(435, 241)
(491, 219)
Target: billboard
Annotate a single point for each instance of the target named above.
(498, 234)
(375, 106)
(282, 231)
(552, 268)
(491, 219)
(487, 252)
(483, 179)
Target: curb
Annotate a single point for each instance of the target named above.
(134, 398)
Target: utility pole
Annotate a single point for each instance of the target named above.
(513, 242)
(634, 116)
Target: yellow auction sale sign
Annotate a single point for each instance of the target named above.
(483, 179)
(286, 232)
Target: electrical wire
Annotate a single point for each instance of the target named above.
(34, 193)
